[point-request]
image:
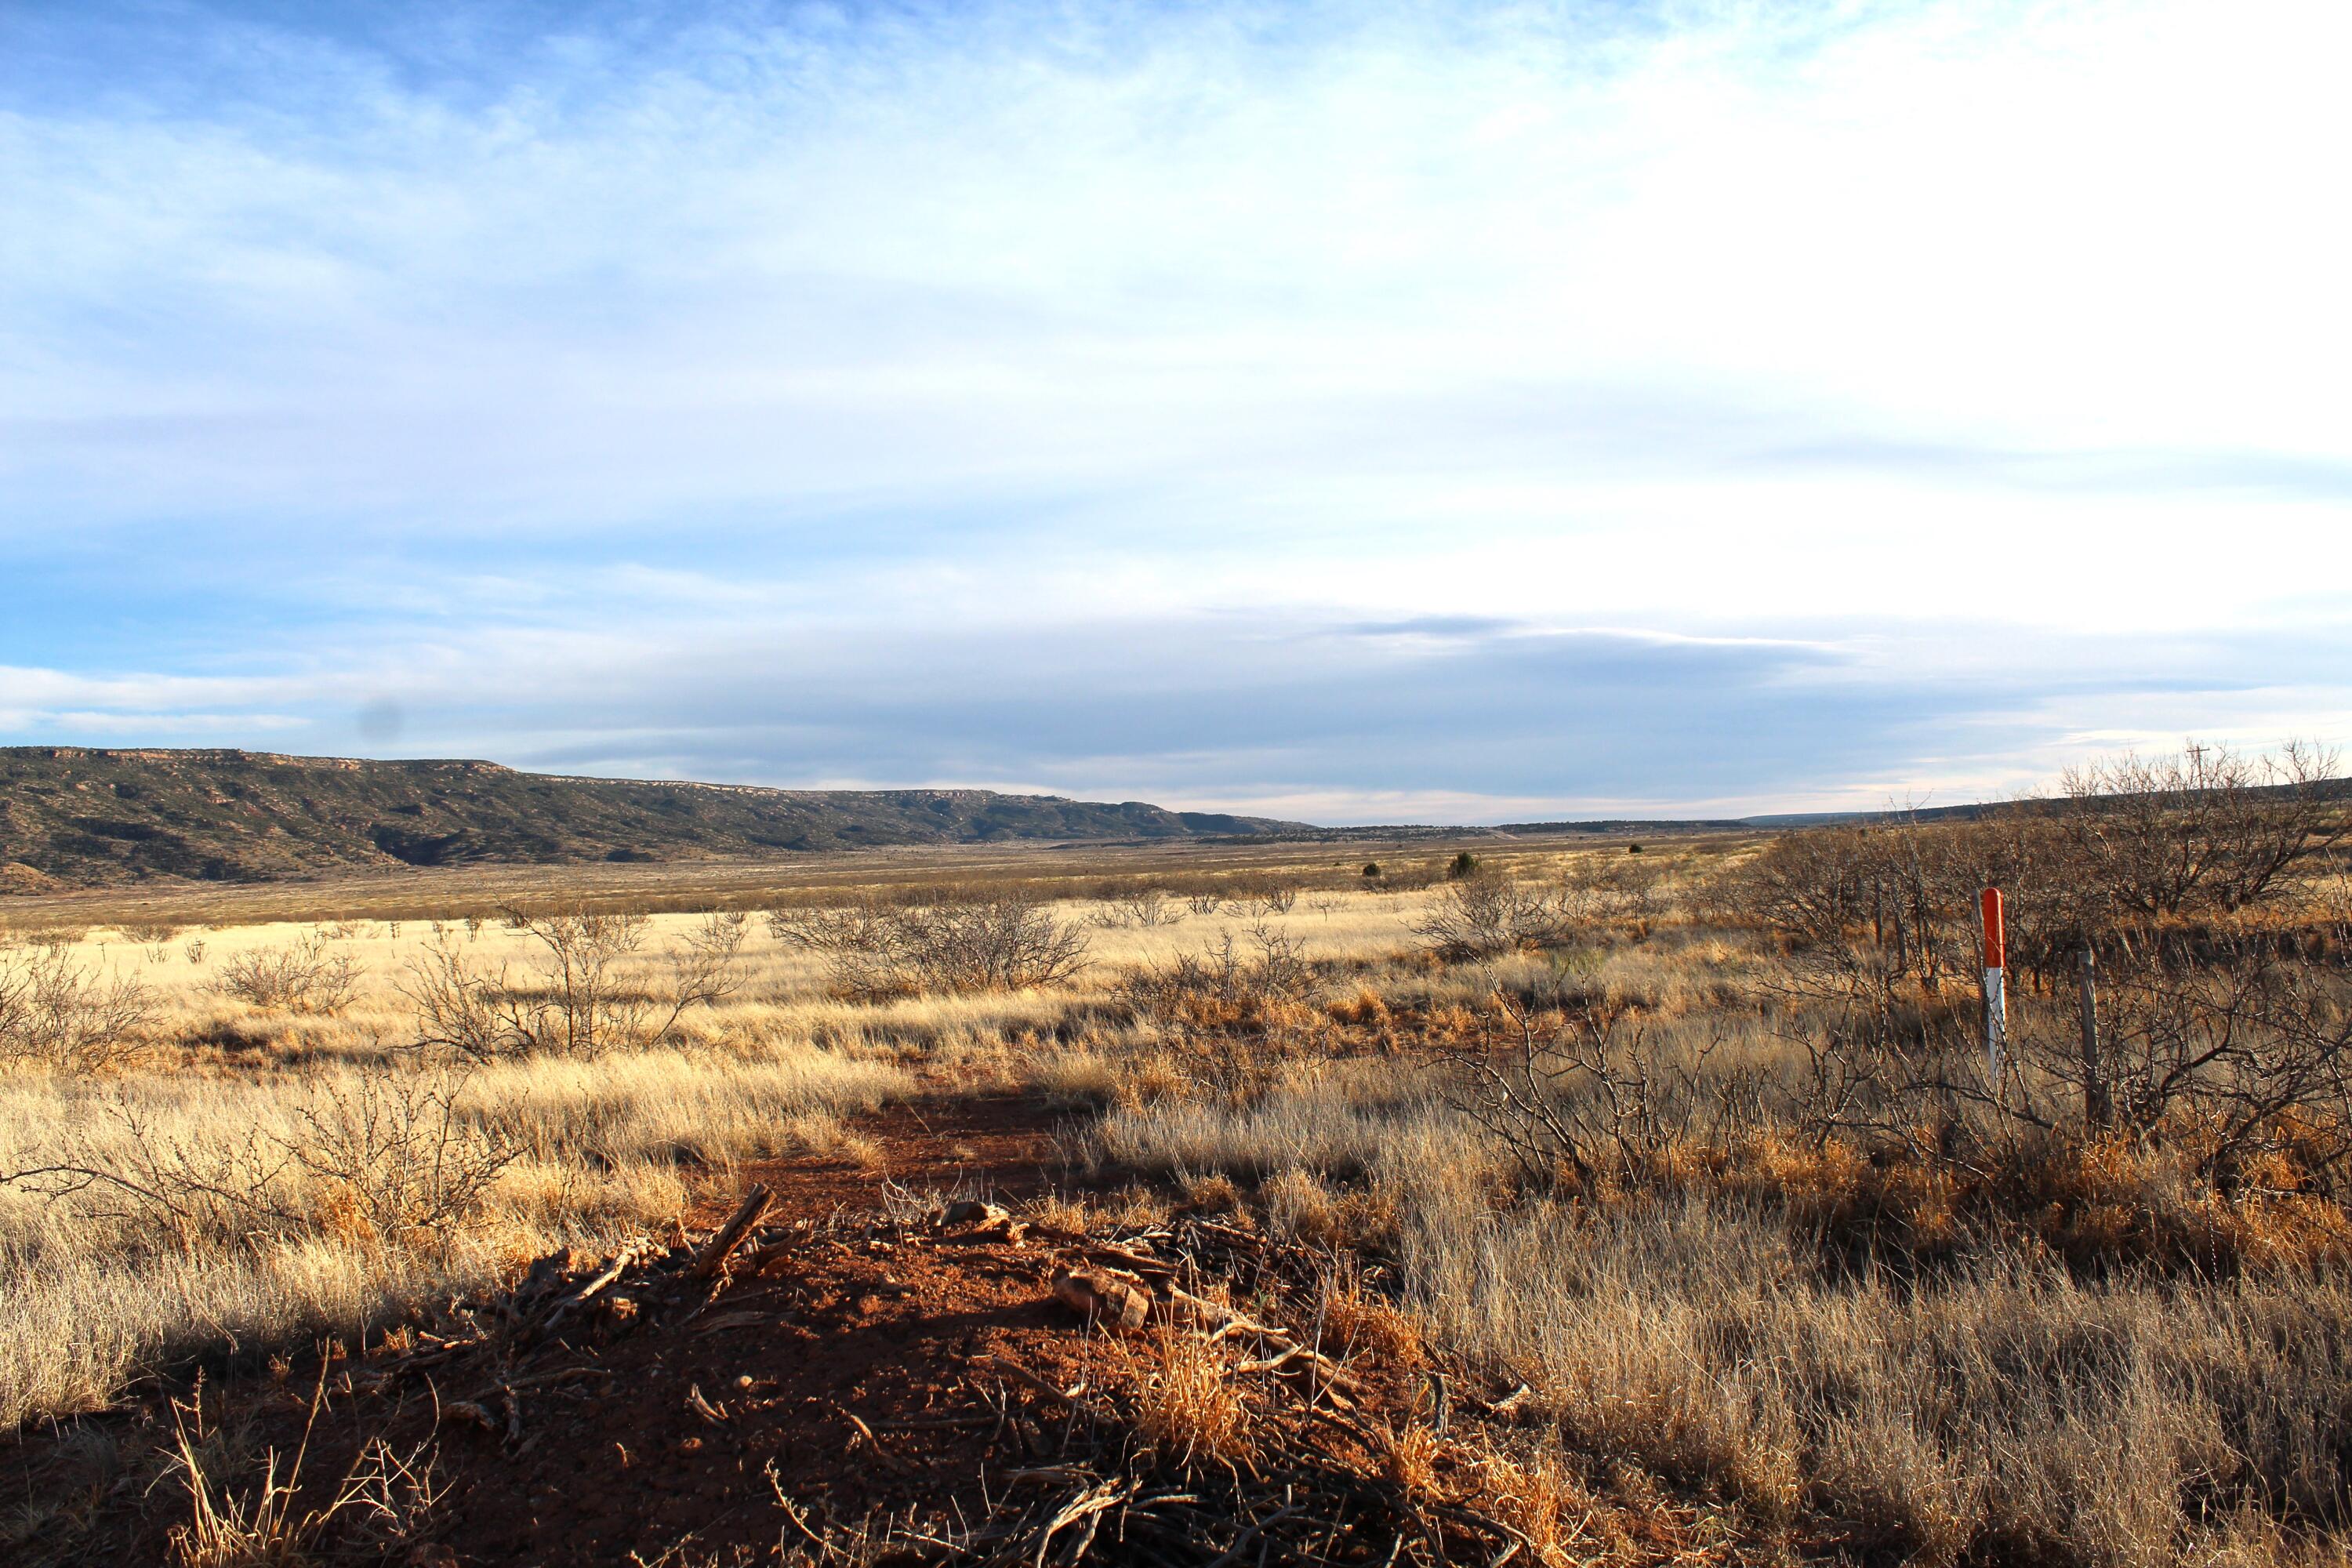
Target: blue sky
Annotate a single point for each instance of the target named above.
(1354, 412)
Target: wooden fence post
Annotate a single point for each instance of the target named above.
(1996, 998)
(2096, 1107)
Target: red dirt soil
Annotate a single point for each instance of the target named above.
(859, 1364)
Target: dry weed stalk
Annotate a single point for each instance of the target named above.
(382, 1502)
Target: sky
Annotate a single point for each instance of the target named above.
(1354, 413)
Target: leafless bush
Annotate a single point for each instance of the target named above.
(1483, 915)
(2135, 846)
(303, 978)
(68, 1015)
(194, 952)
(1592, 888)
(462, 1008)
(2205, 829)
(2224, 1047)
(2236, 1050)
(1277, 898)
(1003, 944)
(153, 936)
(1148, 908)
(396, 1157)
(702, 966)
(1205, 903)
(1823, 889)
(587, 1010)
(1586, 1097)
(391, 1158)
(1241, 1007)
(575, 1003)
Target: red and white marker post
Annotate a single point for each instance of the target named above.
(1996, 997)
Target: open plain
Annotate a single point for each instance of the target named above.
(1571, 1201)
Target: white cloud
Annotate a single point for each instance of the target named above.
(1983, 346)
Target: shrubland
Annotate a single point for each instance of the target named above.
(1698, 1150)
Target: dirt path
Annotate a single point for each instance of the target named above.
(854, 1364)
(865, 1360)
(1000, 1146)
(848, 1370)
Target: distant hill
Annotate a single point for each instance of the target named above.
(76, 817)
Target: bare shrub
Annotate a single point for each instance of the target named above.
(2135, 846)
(1205, 903)
(155, 937)
(1150, 907)
(70, 1017)
(1003, 946)
(1632, 891)
(461, 1007)
(1483, 915)
(1585, 1097)
(589, 1011)
(1277, 898)
(2205, 828)
(2236, 1052)
(1000, 945)
(392, 1159)
(1239, 1007)
(575, 1003)
(303, 978)
(701, 969)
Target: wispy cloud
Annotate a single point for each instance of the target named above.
(1454, 404)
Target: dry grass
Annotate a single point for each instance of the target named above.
(109, 1283)
(1187, 1403)
(1716, 1337)
(222, 1091)
(2049, 1352)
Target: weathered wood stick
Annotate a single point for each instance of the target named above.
(731, 1235)
(1024, 1376)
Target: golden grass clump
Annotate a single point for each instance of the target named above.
(1186, 1403)
(1407, 1455)
(1357, 1322)
(1215, 1192)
